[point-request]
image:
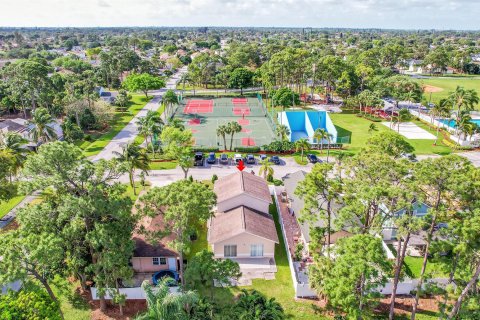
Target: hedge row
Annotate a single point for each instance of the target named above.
(206, 149)
(247, 149)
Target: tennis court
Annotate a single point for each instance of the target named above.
(204, 116)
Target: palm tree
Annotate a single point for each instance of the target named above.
(233, 127)
(177, 123)
(302, 145)
(164, 305)
(283, 132)
(150, 127)
(42, 130)
(319, 135)
(222, 132)
(403, 116)
(466, 126)
(170, 99)
(463, 100)
(254, 305)
(134, 158)
(440, 110)
(13, 143)
(266, 169)
(372, 127)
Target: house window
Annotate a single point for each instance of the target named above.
(230, 251)
(156, 261)
(256, 250)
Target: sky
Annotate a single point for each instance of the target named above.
(393, 14)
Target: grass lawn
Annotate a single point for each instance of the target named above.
(413, 266)
(448, 84)
(164, 165)
(349, 124)
(6, 206)
(139, 188)
(121, 119)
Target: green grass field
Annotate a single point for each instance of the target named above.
(448, 84)
(121, 119)
(6, 206)
(348, 124)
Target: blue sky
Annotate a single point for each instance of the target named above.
(398, 14)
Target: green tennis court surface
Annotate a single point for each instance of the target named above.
(204, 116)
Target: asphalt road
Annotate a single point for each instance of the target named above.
(130, 131)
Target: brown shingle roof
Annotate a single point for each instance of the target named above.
(241, 219)
(242, 182)
(146, 248)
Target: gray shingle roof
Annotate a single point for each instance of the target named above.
(242, 182)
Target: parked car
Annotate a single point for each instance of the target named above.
(250, 159)
(198, 159)
(313, 158)
(409, 156)
(275, 159)
(223, 158)
(263, 157)
(237, 157)
(211, 158)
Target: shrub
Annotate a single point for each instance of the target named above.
(270, 178)
(206, 149)
(214, 178)
(298, 252)
(279, 146)
(247, 149)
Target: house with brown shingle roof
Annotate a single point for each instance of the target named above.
(242, 228)
(242, 232)
(242, 188)
(151, 256)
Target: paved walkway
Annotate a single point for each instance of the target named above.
(411, 131)
(473, 156)
(130, 131)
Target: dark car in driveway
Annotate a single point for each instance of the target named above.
(313, 158)
(211, 158)
(263, 157)
(223, 159)
(275, 159)
(198, 159)
(250, 159)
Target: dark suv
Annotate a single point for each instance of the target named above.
(211, 158)
(198, 159)
(250, 159)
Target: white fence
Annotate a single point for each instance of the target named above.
(407, 286)
(136, 293)
(302, 290)
(469, 142)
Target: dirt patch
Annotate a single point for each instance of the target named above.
(131, 309)
(403, 305)
(431, 89)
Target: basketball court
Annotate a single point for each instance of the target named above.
(204, 116)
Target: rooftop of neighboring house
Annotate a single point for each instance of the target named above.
(13, 125)
(242, 183)
(296, 204)
(242, 219)
(144, 246)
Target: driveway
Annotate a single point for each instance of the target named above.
(130, 131)
(473, 156)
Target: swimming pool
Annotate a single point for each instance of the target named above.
(452, 123)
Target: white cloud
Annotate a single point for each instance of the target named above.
(412, 14)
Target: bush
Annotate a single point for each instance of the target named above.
(88, 138)
(247, 149)
(270, 178)
(206, 149)
(214, 178)
(298, 252)
(279, 146)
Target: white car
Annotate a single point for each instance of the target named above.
(237, 157)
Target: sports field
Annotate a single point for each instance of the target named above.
(440, 87)
(204, 116)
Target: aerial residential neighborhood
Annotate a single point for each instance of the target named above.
(249, 160)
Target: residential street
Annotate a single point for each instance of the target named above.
(164, 177)
(131, 129)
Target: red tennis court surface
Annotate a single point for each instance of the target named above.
(194, 122)
(243, 122)
(199, 106)
(241, 111)
(239, 100)
(248, 142)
